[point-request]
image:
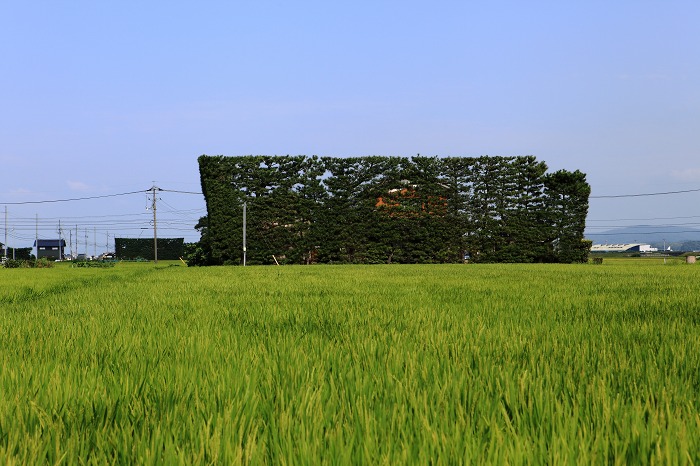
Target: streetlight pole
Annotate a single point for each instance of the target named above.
(245, 205)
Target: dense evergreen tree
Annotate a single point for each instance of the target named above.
(527, 220)
(567, 206)
(303, 210)
(199, 253)
(488, 234)
(142, 248)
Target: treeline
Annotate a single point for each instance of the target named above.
(17, 253)
(303, 210)
(142, 248)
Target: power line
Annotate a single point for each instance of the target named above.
(615, 196)
(127, 225)
(643, 233)
(181, 192)
(82, 217)
(640, 219)
(71, 199)
(648, 226)
(645, 194)
(184, 215)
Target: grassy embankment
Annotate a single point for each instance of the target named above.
(379, 364)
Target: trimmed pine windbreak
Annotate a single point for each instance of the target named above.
(18, 253)
(303, 210)
(417, 364)
(143, 248)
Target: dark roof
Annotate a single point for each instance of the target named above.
(53, 243)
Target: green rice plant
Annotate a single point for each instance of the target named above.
(444, 364)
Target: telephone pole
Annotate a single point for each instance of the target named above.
(153, 190)
(5, 232)
(60, 248)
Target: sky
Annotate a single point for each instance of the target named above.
(106, 98)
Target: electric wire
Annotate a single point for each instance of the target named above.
(185, 223)
(647, 233)
(645, 194)
(180, 192)
(173, 220)
(640, 219)
(48, 201)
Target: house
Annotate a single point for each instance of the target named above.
(50, 248)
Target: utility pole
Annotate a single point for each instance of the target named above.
(153, 189)
(36, 237)
(60, 248)
(245, 205)
(94, 238)
(5, 232)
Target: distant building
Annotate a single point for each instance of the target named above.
(626, 247)
(50, 248)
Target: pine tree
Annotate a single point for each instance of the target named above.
(567, 206)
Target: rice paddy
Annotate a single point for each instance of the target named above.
(441, 364)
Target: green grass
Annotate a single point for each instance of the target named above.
(519, 364)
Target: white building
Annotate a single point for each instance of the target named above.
(626, 247)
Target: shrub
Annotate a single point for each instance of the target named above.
(14, 264)
(42, 263)
(28, 264)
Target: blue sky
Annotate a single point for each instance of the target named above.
(108, 97)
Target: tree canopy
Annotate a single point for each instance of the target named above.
(135, 248)
(305, 210)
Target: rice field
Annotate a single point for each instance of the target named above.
(441, 364)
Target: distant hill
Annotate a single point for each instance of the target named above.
(679, 238)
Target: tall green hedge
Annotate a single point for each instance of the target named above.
(391, 209)
(134, 248)
(18, 253)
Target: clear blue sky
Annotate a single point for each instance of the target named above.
(107, 97)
